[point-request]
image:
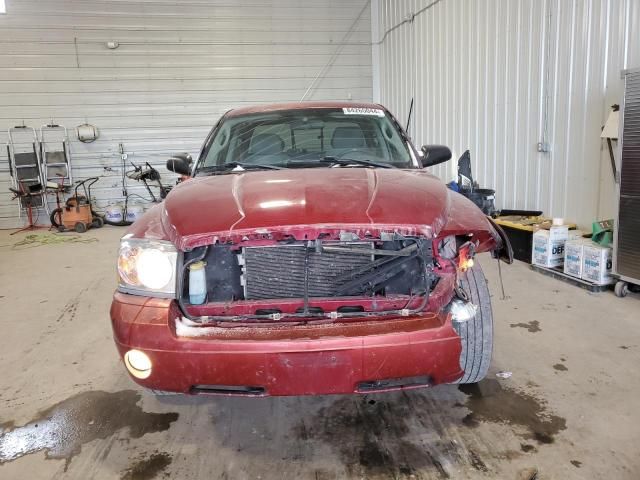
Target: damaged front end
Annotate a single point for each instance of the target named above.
(337, 274)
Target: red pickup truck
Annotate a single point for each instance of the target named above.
(309, 252)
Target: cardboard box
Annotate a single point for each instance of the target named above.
(578, 235)
(573, 256)
(596, 264)
(548, 246)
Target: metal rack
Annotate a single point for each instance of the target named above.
(626, 244)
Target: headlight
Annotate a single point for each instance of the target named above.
(147, 267)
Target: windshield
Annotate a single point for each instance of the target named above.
(308, 138)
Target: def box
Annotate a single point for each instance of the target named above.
(548, 246)
(596, 264)
(574, 256)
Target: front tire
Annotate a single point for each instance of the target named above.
(476, 334)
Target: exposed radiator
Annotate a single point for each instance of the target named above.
(279, 271)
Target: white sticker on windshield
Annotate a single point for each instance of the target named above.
(363, 111)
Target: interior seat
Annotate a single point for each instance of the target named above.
(348, 137)
(266, 144)
(266, 148)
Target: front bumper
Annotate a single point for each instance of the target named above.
(313, 359)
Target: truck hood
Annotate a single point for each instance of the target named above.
(303, 202)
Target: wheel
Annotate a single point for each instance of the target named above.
(56, 218)
(80, 227)
(477, 333)
(97, 222)
(621, 289)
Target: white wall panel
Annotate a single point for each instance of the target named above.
(180, 65)
(499, 76)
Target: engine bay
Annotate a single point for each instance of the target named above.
(307, 270)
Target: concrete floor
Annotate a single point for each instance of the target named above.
(68, 410)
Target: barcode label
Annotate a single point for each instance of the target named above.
(377, 112)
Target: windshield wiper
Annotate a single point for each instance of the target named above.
(232, 165)
(352, 161)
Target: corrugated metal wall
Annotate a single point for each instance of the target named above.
(179, 66)
(499, 76)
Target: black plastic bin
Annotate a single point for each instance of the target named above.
(484, 198)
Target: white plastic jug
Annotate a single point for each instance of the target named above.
(134, 212)
(114, 213)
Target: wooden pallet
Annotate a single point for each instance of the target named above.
(578, 282)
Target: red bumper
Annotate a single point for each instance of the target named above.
(372, 355)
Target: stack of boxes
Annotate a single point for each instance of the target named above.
(548, 246)
(596, 263)
(580, 257)
(574, 255)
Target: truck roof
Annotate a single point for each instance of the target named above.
(274, 107)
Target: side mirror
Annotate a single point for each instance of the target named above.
(184, 156)
(180, 164)
(435, 154)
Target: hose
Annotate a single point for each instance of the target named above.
(123, 223)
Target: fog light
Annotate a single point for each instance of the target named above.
(462, 311)
(138, 363)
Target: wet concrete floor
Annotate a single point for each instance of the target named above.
(68, 410)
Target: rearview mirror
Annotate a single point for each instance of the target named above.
(180, 163)
(435, 154)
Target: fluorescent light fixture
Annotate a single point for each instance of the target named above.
(3, 8)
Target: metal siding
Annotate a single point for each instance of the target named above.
(498, 76)
(180, 65)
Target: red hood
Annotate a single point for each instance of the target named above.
(204, 209)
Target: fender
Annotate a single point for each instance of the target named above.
(464, 218)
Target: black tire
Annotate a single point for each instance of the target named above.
(477, 333)
(97, 222)
(56, 218)
(80, 227)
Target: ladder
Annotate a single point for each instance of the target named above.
(23, 152)
(55, 155)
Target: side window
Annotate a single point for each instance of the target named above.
(394, 143)
(219, 148)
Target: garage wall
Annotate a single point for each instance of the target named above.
(499, 76)
(179, 66)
